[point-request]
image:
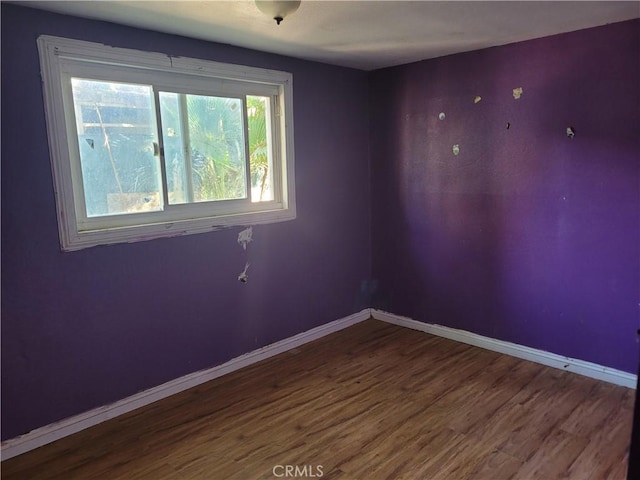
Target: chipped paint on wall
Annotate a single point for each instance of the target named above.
(456, 149)
(245, 236)
(243, 277)
(517, 93)
(477, 99)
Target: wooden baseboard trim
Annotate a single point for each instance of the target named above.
(581, 367)
(55, 431)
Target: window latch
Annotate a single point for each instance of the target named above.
(157, 150)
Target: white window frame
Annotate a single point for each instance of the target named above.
(62, 58)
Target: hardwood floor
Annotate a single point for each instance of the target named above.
(374, 401)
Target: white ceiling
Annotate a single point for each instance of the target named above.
(359, 34)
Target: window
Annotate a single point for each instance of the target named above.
(145, 146)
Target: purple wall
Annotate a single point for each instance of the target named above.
(526, 235)
(87, 328)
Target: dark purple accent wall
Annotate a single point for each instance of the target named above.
(526, 236)
(87, 328)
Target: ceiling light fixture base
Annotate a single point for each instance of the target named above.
(277, 9)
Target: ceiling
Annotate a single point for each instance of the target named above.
(361, 34)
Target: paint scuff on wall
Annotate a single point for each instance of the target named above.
(245, 236)
(243, 277)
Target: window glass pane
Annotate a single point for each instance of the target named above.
(260, 156)
(116, 136)
(204, 147)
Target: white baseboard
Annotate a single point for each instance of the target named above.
(55, 431)
(581, 367)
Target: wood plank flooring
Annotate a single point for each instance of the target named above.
(374, 401)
